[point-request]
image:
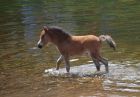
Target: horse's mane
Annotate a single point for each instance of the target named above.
(58, 33)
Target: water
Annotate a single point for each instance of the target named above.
(22, 65)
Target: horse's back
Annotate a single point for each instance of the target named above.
(86, 39)
(79, 44)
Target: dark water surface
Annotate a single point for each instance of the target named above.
(22, 65)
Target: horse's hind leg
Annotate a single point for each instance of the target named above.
(105, 62)
(96, 62)
(59, 61)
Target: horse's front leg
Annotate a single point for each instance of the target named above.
(67, 64)
(59, 61)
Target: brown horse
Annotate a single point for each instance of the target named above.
(69, 45)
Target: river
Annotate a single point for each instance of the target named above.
(22, 66)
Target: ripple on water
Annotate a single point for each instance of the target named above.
(123, 79)
(128, 90)
(120, 78)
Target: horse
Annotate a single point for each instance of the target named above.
(69, 45)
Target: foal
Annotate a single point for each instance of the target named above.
(69, 45)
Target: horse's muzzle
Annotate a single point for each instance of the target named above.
(39, 46)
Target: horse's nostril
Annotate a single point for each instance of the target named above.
(39, 46)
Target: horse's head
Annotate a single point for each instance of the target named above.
(44, 37)
(54, 35)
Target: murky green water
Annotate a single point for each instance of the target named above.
(22, 66)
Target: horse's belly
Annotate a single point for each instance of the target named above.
(77, 50)
(72, 48)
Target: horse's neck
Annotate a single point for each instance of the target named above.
(59, 42)
(56, 42)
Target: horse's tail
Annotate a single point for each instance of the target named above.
(109, 40)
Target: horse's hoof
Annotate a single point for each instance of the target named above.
(107, 72)
(67, 74)
(97, 72)
(57, 68)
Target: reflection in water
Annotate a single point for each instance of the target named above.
(22, 65)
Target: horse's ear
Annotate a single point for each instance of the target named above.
(45, 28)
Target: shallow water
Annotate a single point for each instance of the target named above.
(22, 65)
